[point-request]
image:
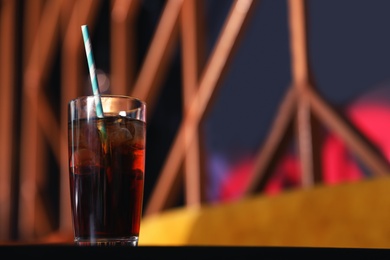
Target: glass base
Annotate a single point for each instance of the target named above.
(130, 241)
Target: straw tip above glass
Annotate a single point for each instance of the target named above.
(92, 70)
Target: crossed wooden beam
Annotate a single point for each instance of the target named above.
(304, 104)
(301, 103)
(163, 193)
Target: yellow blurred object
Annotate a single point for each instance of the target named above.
(171, 227)
(344, 215)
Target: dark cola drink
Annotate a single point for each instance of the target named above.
(107, 160)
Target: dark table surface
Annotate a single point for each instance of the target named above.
(184, 252)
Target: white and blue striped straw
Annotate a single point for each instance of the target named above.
(92, 71)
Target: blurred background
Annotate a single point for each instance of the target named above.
(271, 97)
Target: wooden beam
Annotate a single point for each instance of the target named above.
(123, 59)
(192, 60)
(31, 156)
(268, 152)
(208, 84)
(149, 79)
(7, 112)
(356, 141)
(307, 148)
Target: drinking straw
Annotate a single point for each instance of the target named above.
(92, 71)
(94, 81)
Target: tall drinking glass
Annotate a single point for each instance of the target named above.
(106, 169)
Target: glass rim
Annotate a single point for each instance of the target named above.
(108, 96)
